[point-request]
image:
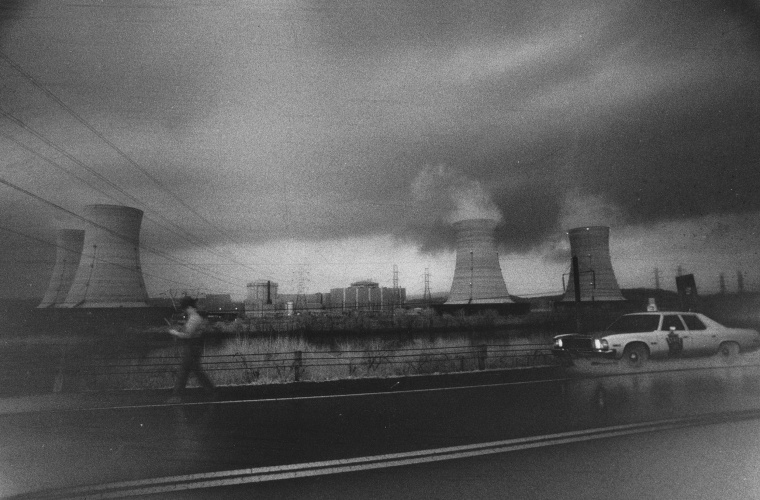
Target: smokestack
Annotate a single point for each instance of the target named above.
(477, 276)
(69, 244)
(109, 273)
(591, 246)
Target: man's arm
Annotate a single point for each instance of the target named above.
(179, 334)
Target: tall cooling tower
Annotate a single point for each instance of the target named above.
(109, 273)
(477, 276)
(597, 279)
(69, 244)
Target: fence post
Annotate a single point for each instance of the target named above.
(297, 365)
(58, 382)
(482, 355)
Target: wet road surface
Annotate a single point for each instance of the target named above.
(45, 450)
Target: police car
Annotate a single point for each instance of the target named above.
(636, 337)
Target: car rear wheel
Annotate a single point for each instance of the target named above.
(635, 355)
(728, 350)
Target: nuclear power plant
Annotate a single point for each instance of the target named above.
(477, 274)
(99, 269)
(596, 278)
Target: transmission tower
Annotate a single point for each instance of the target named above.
(302, 278)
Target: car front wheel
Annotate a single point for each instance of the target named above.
(728, 350)
(635, 355)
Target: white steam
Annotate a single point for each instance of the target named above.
(453, 195)
(580, 211)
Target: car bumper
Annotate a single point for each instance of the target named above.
(584, 353)
(571, 353)
(611, 354)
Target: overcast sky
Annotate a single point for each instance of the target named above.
(316, 143)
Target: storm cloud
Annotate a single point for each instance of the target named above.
(322, 121)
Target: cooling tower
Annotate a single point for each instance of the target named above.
(68, 252)
(109, 273)
(477, 275)
(597, 279)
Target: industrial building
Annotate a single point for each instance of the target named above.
(366, 296)
(304, 302)
(263, 299)
(590, 248)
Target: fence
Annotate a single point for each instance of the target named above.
(74, 373)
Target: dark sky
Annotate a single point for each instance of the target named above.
(321, 142)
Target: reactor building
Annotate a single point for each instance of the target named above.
(366, 296)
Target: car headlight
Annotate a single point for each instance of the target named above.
(558, 343)
(601, 345)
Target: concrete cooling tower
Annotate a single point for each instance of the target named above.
(69, 244)
(477, 275)
(109, 273)
(597, 279)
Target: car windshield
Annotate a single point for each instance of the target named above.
(635, 323)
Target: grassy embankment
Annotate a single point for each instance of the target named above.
(270, 360)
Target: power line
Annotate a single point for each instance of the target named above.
(109, 230)
(40, 240)
(113, 146)
(42, 138)
(187, 236)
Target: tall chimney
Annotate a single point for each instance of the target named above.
(477, 275)
(69, 244)
(109, 273)
(591, 246)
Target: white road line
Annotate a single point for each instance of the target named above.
(300, 398)
(292, 471)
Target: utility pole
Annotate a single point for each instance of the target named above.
(739, 282)
(426, 294)
(395, 300)
(577, 285)
(472, 272)
(656, 278)
(722, 284)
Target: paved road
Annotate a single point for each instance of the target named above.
(697, 463)
(65, 448)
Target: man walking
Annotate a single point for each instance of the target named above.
(191, 340)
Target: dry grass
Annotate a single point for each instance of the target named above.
(245, 360)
